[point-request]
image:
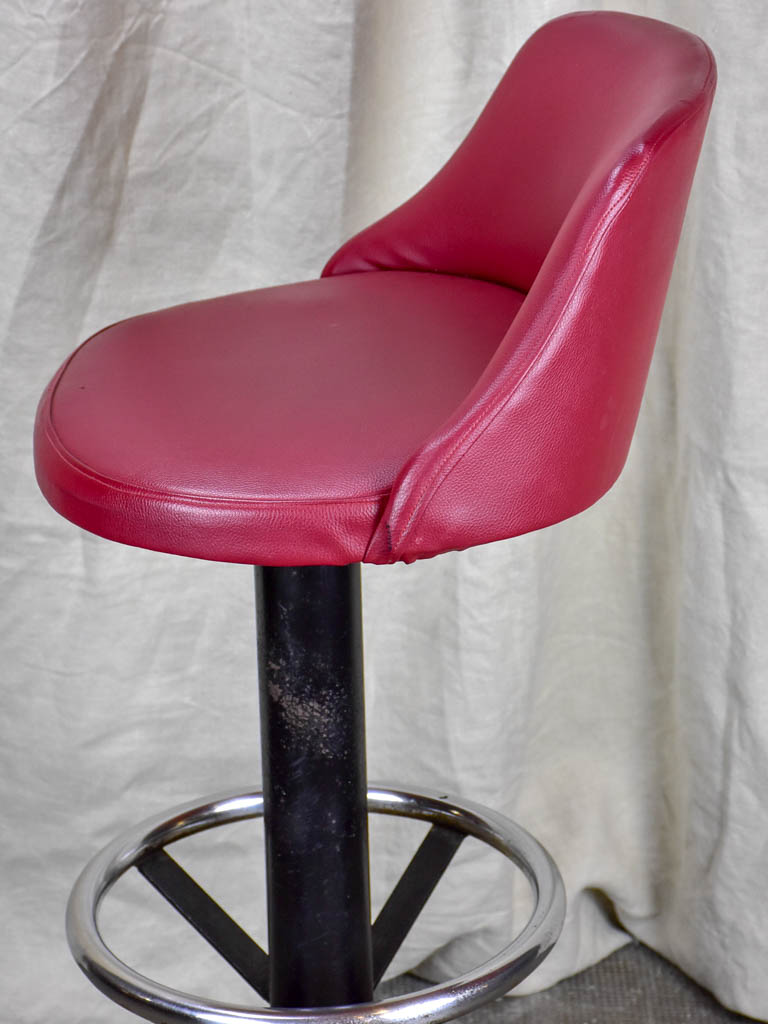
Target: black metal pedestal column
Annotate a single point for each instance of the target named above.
(313, 757)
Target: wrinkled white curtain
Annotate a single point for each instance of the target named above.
(603, 681)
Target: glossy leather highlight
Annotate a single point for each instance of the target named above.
(411, 402)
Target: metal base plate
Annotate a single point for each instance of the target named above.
(438, 1003)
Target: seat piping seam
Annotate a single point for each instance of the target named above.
(185, 498)
(609, 217)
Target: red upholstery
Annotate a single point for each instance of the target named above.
(268, 426)
(394, 415)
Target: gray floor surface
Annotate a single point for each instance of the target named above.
(633, 986)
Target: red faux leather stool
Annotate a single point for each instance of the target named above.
(469, 368)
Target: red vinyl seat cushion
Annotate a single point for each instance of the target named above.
(410, 402)
(267, 426)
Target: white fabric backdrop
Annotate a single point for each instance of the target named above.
(602, 681)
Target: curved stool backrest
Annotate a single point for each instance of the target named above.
(571, 187)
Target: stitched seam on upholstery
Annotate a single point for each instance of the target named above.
(609, 217)
(190, 499)
(479, 426)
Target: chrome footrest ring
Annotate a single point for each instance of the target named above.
(164, 1005)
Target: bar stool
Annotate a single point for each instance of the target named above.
(467, 369)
